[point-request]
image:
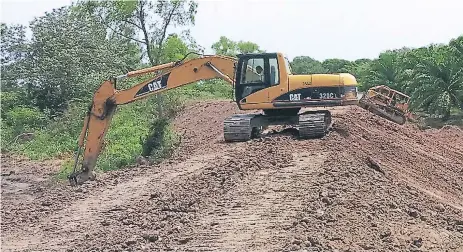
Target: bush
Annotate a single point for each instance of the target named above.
(122, 142)
(9, 101)
(139, 128)
(24, 118)
(7, 136)
(20, 120)
(62, 132)
(155, 137)
(161, 140)
(210, 89)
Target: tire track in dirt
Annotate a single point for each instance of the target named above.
(79, 215)
(423, 160)
(66, 225)
(256, 215)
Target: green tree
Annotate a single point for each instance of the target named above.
(248, 47)
(307, 65)
(13, 54)
(336, 65)
(68, 57)
(173, 49)
(437, 86)
(360, 69)
(456, 48)
(144, 22)
(387, 70)
(226, 46)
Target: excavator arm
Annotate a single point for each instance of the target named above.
(106, 98)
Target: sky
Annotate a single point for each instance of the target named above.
(320, 29)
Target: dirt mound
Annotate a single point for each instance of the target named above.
(201, 127)
(431, 161)
(369, 185)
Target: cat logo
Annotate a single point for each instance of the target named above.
(294, 97)
(155, 85)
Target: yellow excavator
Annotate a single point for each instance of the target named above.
(261, 81)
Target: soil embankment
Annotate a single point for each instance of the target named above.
(370, 185)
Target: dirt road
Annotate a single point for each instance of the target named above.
(370, 185)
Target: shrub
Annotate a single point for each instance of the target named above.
(25, 118)
(139, 128)
(215, 88)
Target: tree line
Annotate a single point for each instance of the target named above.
(48, 79)
(74, 47)
(432, 75)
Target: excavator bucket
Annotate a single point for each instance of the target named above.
(387, 103)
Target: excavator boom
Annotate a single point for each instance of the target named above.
(107, 97)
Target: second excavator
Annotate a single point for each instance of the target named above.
(261, 81)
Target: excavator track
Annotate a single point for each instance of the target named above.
(238, 128)
(314, 124)
(243, 127)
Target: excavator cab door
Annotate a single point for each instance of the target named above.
(255, 73)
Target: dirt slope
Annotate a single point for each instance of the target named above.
(370, 185)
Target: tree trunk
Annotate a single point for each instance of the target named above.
(164, 31)
(141, 16)
(446, 115)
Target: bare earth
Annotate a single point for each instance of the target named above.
(370, 185)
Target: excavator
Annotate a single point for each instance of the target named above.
(261, 81)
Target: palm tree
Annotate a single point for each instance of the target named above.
(437, 86)
(456, 46)
(387, 70)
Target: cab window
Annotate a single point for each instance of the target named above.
(252, 71)
(274, 73)
(288, 66)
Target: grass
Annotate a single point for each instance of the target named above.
(126, 138)
(212, 89)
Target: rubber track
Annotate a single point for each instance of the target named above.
(312, 125)
(238, 128)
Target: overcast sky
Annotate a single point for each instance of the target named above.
(318, 28)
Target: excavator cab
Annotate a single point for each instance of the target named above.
(254, 74)
(264, 81)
